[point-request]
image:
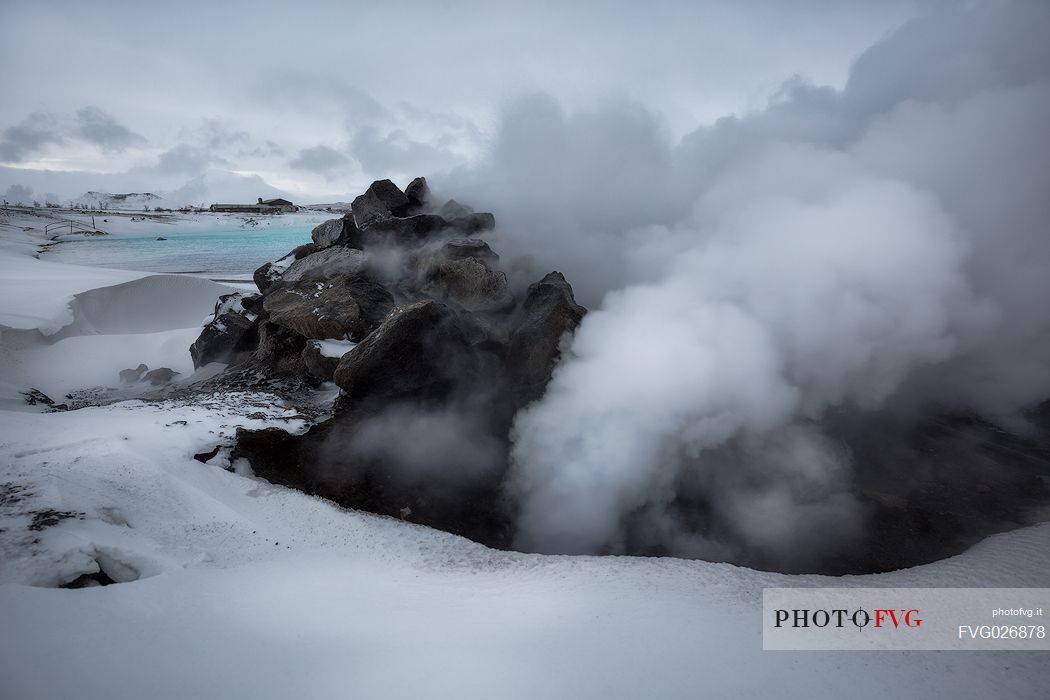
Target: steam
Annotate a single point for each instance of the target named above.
(879, 248)
(447, 446)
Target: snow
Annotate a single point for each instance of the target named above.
(246, 589)
(232, 587)
(35, 293)
(334, 348)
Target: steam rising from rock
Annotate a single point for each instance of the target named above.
(879, 248)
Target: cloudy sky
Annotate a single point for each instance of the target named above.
(224, 100)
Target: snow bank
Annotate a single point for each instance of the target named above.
(245, 589)
(36, 294)
(149, 304)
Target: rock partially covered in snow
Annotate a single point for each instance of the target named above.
(442, 358)
(326, 264)
(347, 306)
(270, 274)
(319, 360)
(235, 303)
(221, 339)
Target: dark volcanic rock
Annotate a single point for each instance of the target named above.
(203, 457)
(130, 376)
(421, 428)
(420, 352)
(220, 339)
(160, 376)
(418, 194)
(305, 249)
(270, 274)
(252, 303)
(470, 282)
(273, 454)
(381, 200)
(460, 248)
(279, 348)
(236, 303)
(35, 396)
(335, 232)
(317, 364)
(326, 264)
(473, 223)
(309, 262)
(349, 306)
(405, 232)
(453, 210)
(551, 312)
(327, 461)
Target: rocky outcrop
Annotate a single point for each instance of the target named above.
(461, 248)
(349, 306)
(550, 315)
(418, 194)
(420, 352)
(237, 303)
(470, 282)
(305, 249)
(326, 264)
(230, 333)
(472, 224)
(380, 201)
(160, 376)
(334, 232)
(444, 357)
(130, 376)
(279, 350)
(270, 274)
(453, 210)
(320, 366)
(405, 232)
(221, 339)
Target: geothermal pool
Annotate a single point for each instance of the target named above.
(231, 254)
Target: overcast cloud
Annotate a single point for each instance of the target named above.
(396, 90)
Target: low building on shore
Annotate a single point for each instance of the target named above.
(262, 206)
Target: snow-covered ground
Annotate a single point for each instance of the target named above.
(229, 587)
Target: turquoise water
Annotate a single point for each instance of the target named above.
(216, 254)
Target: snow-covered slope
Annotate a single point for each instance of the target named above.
(245, 589)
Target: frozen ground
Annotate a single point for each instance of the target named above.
(229, 587)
